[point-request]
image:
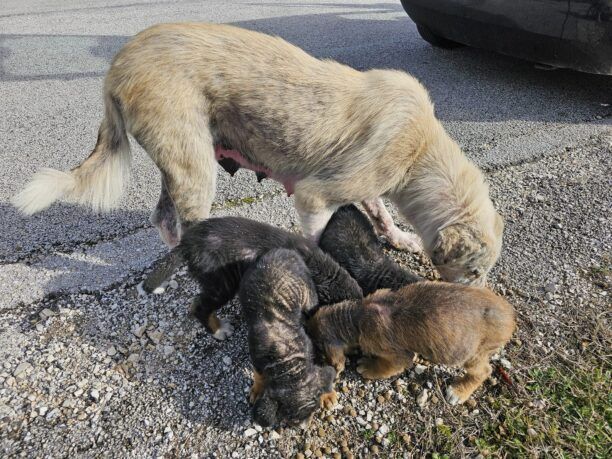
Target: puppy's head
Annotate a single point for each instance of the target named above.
(465, 252)
(279, 277)
(350, 239)
(294, 404)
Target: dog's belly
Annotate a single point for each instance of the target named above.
(262, 172)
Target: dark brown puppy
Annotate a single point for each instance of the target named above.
(219, 250)
(276, 293)
(448, 324)
(350, 239)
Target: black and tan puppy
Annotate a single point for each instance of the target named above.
(445, 323)
(219, 250)
(350, 239)
(276, 293)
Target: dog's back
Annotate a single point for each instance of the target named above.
(446, 323)
(219, 250)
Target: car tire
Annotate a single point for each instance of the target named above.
(436, 40)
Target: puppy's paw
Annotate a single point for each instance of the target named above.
(452, 397)
(225, 330)
(368, 368)
(161, 289)
(255, 392)
(329, 400)
(140, 290)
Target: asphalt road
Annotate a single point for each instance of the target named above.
(53, 55)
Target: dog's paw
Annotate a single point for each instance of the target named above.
(140, 290)
(402, 240)
(161, 289)
(329, 400)
(452, 397)
(254, 393)
(367, 367)
(225, 330)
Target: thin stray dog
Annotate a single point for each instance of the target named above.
(195, 94)
(218, 251)
(447, 324)
(275, 294)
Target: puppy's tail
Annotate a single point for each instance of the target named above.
(162, 270)
(97, 182)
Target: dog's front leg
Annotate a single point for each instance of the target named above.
(314, 214)
(383, 222)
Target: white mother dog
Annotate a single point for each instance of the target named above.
(196, 94)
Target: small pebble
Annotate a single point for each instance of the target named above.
(422, 398)
(419, 369)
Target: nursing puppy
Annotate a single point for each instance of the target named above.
(350, 240)
(218, 251)
(195, 94)
(275, 294)
(445, 323)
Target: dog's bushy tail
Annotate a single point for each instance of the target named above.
(97, 182)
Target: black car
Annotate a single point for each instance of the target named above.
(574, 34)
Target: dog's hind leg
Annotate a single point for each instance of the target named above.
(383, 222)
(165, 218)
(476, 372)
(182, 148)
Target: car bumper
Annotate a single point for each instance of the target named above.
(576, 35)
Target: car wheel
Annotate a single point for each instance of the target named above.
(434, 39)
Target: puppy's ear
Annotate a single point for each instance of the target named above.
(265, 411)
(327, 376)
(453, 243)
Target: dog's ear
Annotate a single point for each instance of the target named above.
(327, 376)
(453, 243)
(265, 411)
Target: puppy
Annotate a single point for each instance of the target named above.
(219, 250)
(195, 94)
(445, 323)
(275, 294)
(350, 240)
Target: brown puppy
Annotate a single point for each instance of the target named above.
(447, 324)
(195, 94)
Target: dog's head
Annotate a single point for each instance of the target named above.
(465, 252)
(294, 404)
